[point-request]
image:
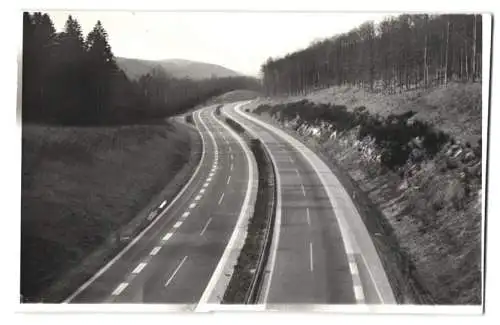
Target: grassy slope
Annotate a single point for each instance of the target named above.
(434, 210)
(80, 184)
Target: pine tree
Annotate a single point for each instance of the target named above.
(101, 69)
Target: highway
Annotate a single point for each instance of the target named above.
(321, 251)
(186, 255)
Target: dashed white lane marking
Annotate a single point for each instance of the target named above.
(211, 174)
(311, 267)
(205, 185)
(139, 268)
(209, 179)
(290, 158)
(353, 267)
(231, 156)
(202, 190)
(205, 228)
(178, 224)
(197, 198)
(228, 179)
(358, 293)
(163, 204)
(230, 150)
(176, 270)
(192, 205)
(167, 236)
(231, 166)
(308, 217)
(303, 190)
(297, 172)
(120, 288)
(155, 251)
(185, 214)
(221, 197)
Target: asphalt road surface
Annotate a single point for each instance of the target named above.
(321, 252)
(184, 257)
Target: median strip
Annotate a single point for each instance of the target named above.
(248, 274)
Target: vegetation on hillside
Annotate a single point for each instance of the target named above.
(72, 80)
(400, 53)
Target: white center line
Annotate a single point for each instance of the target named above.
(192, 205)
(311, 256)
(167, 236)
(175, 272)
(197, 198)
(228, 179)
(308, 217)
(205, 228)
(120, 288)
(155, 250)
(185, 214)
(139, 268)
(163, 204)
(178, 224)
(303, 190)
(221, 197)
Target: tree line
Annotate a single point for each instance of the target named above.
(74, 80)
(399, 53)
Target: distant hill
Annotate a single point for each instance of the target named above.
(134, 68)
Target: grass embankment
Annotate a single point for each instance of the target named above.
(417, 188)
(245, 281)
(83, 187)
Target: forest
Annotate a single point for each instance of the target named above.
(399, 53)
(69, 79)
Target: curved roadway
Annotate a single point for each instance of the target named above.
(186, 255)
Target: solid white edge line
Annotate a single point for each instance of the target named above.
(277, 221)
(175, 271)
(142, 233)
(218, 272)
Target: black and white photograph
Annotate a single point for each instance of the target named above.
(317, 161)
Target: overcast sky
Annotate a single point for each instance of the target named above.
(239, 41)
